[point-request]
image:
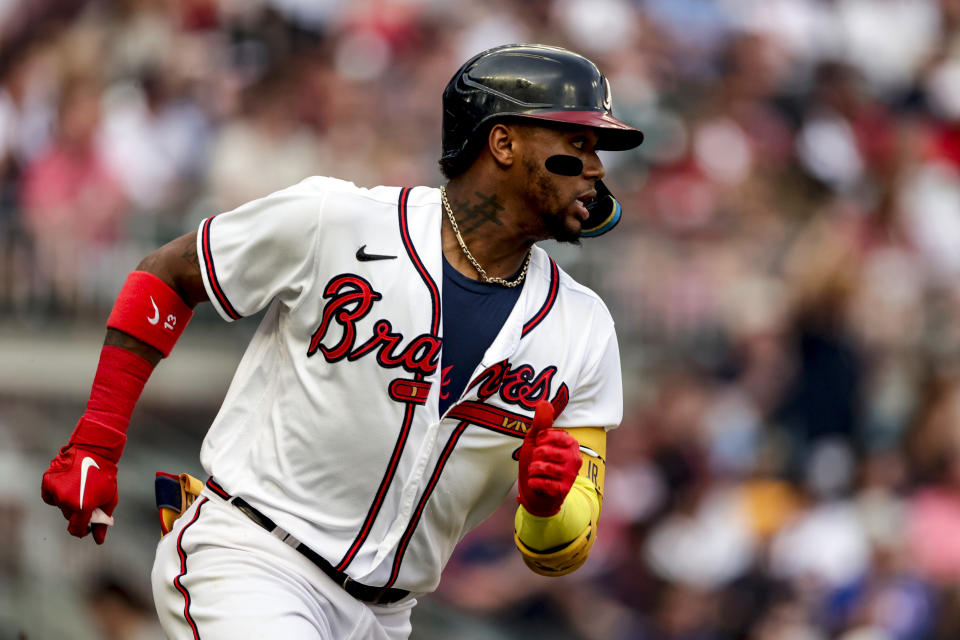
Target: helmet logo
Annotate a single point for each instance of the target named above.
(607, 96)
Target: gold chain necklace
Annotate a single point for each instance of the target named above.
(476, 265)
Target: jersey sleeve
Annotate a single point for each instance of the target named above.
(262, 250)
(597, 399)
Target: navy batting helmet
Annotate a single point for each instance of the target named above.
(539, 82)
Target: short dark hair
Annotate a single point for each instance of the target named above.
(453, 166)
(456, 166)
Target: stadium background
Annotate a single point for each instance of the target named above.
(784, 283)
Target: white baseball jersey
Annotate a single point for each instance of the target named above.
(331, 425)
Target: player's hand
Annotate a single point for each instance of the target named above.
(83, 483)
(549, 463)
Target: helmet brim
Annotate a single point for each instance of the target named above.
(613, 134)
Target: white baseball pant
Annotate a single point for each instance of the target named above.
(219, 576)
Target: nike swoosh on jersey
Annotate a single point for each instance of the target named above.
(363, 256)
(85, 465)
(156, 313)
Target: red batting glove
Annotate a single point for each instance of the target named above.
(83, 477)
(549, 463)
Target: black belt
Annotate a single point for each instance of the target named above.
(374, 595)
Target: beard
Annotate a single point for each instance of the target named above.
(559, 229)
(559, 224)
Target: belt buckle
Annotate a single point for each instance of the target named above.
(346, 580)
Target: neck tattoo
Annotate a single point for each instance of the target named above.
(473, 261)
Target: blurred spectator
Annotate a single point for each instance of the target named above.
(822, 403)
(266, 149)
(933, 515)
(25, 123)
(73, 205)
(152, 139)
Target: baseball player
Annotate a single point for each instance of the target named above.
(419, 355)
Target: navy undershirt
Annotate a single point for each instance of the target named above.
(473, 313)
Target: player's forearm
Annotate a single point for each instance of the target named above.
(148, 317)
(150, 313)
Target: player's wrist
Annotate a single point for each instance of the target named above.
(94, 437)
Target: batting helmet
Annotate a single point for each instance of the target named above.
(539, 82)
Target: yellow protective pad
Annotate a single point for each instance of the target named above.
(560, 544)
(578, 512)
(593, 450)
(562, 561)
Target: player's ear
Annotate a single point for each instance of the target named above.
(502, 142)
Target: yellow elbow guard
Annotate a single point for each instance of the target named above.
(559, 544)
(563, 561)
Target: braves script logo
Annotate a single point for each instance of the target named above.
(350, 299)
(444, 381)
(516, 385)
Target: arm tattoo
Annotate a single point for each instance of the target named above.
(190, 255)
(475, 215)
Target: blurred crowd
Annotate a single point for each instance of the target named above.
(785, 279)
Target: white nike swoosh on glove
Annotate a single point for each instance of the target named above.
(85, 465)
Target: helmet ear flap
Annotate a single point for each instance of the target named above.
(604, 213)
